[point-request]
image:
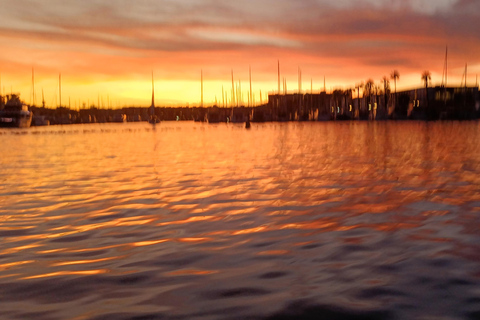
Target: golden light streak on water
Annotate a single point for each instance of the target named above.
(69, 263)
(251, 230)
(189, 272)
(19, 248)
(194, 239)
(309, 225)
(83, 250)
(7, 266)
(191, 219)
(149, 243)
(273, 253)
(65, 273)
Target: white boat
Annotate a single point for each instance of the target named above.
(15, 113)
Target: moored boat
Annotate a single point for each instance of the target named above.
(119, 117)
(40, 121)
(15, 113)
(153, 119)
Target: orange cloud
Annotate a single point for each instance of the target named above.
(107, 49)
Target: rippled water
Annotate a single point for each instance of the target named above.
(351, 220)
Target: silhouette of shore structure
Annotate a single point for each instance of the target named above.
(432, 103)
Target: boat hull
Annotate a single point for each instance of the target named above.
(15, 122)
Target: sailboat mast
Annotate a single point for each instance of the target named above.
(278, 77)
(250, 75)
(33, 87)
(233, 92)
(444, 74)
(240, 98)
(444, 77)
(201, 88)
(60, 88)
(152, 107)
(311, 93)
(299, 80)
(153, 92)
(446, 65)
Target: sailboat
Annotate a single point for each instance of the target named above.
(39, 120)
(153, 117)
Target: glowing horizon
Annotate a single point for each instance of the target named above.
(106, 50)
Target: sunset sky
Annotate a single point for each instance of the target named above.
(106, 50)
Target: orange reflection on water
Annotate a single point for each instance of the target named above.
(69, 263)
(130, 221)
(148, 243)
(65, 273)
(452, 201)
(393, 226)
(191, 219)
(177, 207)
(188, 272)
(435, 213)
(346, 228)
(20, 248)
(245, 210)
(372, 207)
(120, 222)
(193, 239)
(9, 275)
(273, 252)
(79, 250)
(251, 230)
(7, 266)
(16, 228)
(41, 236)
(316, 224)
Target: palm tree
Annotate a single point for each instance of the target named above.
(358, 86)
(426, 76)
(378, 91)
(337, 97)
(386, 89)
(395, 75)
(348, 95)
(369, 88)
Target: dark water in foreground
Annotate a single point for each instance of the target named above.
(284, 221)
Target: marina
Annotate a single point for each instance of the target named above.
(436, 103)
(240, 160)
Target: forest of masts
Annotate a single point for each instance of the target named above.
(235, 97)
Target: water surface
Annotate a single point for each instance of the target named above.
(353, 220)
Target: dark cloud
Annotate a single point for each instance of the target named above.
(345, 28)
